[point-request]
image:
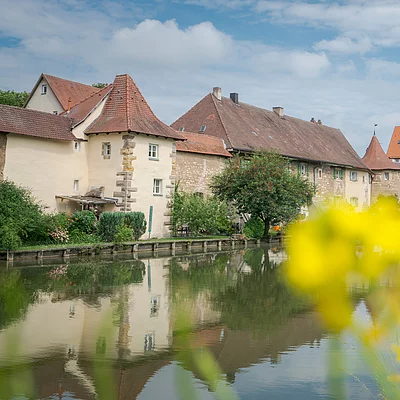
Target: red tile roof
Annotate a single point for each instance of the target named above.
(64, 89)
(22, 121)
(126, 110)
(376, 159)
(248, 128)
(83, 109)
(203, 144)
(394, 145)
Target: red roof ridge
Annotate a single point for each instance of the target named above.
(69, 80)
(376, 159)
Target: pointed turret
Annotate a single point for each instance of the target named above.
(376, 159)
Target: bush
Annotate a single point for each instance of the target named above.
(254, 228)
(22, 218)
(137, 222)
(123, 234)
(84, 221)
(108, 225)
(76, 236)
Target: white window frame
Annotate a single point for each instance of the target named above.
(44, 89)
(153, 151)
(353, 176)
(303, 169)
(106, 149)
(77, 146)
(76, 186)
(157, 187)
(55, 112)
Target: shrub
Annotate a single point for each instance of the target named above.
(9, 238)
(76, 236)
(59, 235)
(84, 221)
(254, 228)
(137, 222)
(108, 225)
(123, 234)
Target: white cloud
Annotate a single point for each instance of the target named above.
(344, 45)
(383, 69)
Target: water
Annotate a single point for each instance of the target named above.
(69, 330)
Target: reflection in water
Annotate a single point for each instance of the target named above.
(267, 341)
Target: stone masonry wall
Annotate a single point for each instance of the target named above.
(3, 145)
(194, 171)
(389, 187)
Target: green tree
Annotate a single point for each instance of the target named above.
(11, 98)
(99, 85)
(263, 186)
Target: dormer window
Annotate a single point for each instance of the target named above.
(44, 89)
(398, 142)
(181, 129)
(55, 112)
(203, 128)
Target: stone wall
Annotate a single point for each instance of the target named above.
(194, 171)
(3, 145)
(381, 186)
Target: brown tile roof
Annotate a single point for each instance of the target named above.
(248, 128)
(83, 109)
(203, 144)
(394, 145)
(376, 159)
(22, 121)
(126, 110)
(64, 89)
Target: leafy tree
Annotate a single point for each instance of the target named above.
(100, 85)
(11, 98)
(264, 187)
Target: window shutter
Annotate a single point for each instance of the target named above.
(102, 149)
(299, 168)
(307, 169)
(335, 173)
(341, 174)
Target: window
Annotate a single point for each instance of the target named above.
(153, 151)
(154, 305)
(398, 142)
(55, 112)
(106, 150)
(354, 176)
(203, 128)
(338, 173)
(157, 187)
(149, 342)
(303, 169)
(77, 146)
(181, 129)
(320, 173)
(363, 178)
(354, 201)
(386, 176)
(76, 186)
(44, 89)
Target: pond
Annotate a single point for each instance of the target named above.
(71, 330)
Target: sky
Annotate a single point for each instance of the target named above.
(335, 61)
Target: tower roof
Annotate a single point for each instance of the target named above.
(376, 159)
(394, 145)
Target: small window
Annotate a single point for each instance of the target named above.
(154, 305)
(76, 186)
(55, 112)
(157, 187)
(363, 178)
(44, 89)
(149, 342)
(338, 173)
(106, 150)
(320, 173)
(153, 151)
(398, 142)
(354, 176)
(77, 146)
(303, 169)
(203, 128)
(386, 176)
(181, 129)
(354, 201)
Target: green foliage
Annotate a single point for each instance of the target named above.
(21, 217)
(264, 187)
(84, 221)
(100, 85)
(136, 221)
(254, 228)
(60, 220)
(123, 234)
(202, 215)
(11, 98)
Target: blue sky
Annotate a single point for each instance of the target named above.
(334, 61)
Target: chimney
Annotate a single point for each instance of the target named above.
(312, 120)
(319, 122)
(280, 111)
(69, 105)
(235, 97)
(217, 92)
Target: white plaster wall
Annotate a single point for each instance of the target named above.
(358, 189)
(44, 102)
(48, 167)
(145, 171)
